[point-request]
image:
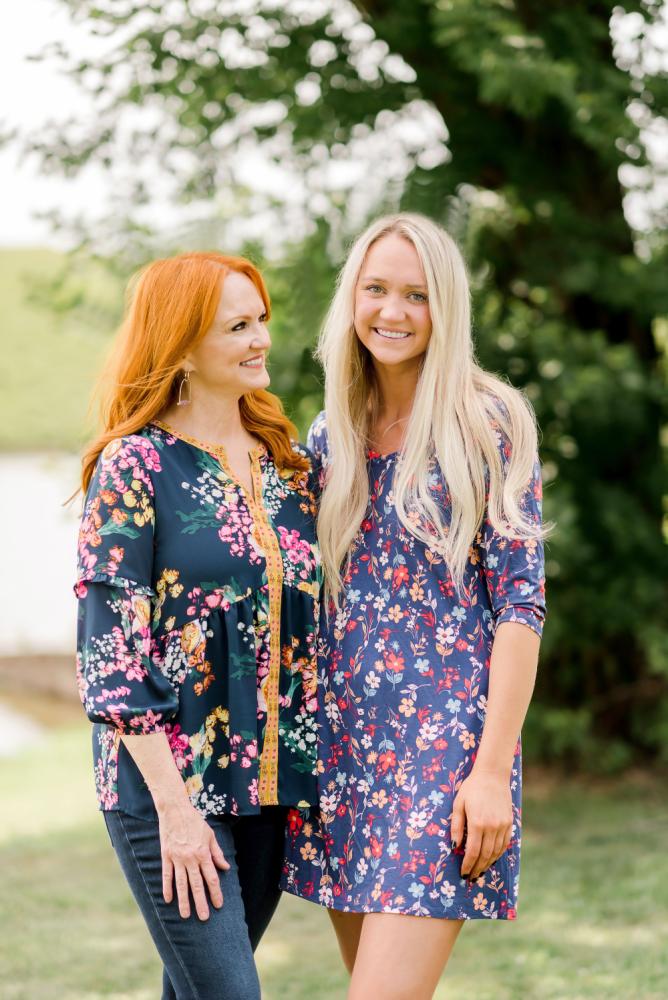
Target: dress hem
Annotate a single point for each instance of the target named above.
(396, 910)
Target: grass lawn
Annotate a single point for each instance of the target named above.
(593, 909)
(51, 357)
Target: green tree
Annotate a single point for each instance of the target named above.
(531, 115)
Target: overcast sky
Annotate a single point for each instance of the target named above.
(33, 93)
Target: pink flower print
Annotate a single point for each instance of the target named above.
(179, 744)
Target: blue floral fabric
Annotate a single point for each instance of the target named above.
(403, 671)
(198, 611)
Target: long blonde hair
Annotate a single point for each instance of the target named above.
(458, 412)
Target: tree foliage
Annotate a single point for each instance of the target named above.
(510, 121)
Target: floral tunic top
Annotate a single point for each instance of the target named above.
(404, 670)
(198, 609)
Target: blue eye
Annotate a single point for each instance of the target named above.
(375, 288)
(418, 296)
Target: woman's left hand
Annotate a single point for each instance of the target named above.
(483, 808)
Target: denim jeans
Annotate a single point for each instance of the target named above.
(211, 959)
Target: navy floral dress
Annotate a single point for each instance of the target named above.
(198, 610)
(403, 670)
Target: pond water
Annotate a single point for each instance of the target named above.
(37, 606)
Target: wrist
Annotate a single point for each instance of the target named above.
(171, 801)
(495, 769)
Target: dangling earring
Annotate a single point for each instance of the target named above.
(185, 391)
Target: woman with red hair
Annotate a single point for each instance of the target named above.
(198, 586)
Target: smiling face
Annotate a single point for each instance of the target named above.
(391, 316)
(230, 357)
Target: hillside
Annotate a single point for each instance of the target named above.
(52, 348)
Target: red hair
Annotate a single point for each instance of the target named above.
(172, 303)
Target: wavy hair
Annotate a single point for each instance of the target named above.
(458, 412)
(171, 305)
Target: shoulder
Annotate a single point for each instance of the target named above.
(133, 457)
(317, 440)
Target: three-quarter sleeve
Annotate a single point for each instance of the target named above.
(514, 568)
(119, 682)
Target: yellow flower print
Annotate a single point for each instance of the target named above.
(170, 575)
(140, 520)
(395, 613)
(224, 760)
(191, 636)
(129, 499)
(308, 852)
(196, 743)
(141, 610)
(380, 798)
(479, 901)
(176, 589)
(406, 707)
(417, 593)
(194, 785)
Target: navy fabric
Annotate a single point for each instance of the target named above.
(404, 674)
(198, 613)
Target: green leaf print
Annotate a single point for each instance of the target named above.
(111, 528)
(198, 519)
(245, 665)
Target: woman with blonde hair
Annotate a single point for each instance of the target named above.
(198, 586)
(431, 540)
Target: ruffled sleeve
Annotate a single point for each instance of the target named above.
(119, 683)
(514, 569)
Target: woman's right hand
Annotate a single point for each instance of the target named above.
(191, 857)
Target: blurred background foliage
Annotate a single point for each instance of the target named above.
(521, 126)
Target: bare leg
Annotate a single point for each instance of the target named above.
(348, 927)
(401, 957)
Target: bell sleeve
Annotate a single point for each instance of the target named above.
(514, 569)
(119, 682)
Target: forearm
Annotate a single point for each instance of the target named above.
(152, 755)
(512, 675)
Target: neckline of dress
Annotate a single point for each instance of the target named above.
(212, 449)
(377, 456)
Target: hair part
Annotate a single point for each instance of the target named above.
(459, 416)
(171, 304)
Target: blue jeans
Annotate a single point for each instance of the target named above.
(211, 959)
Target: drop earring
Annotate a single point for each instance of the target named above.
(185, 390)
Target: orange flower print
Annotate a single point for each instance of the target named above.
(467, 740)
(394, 662)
